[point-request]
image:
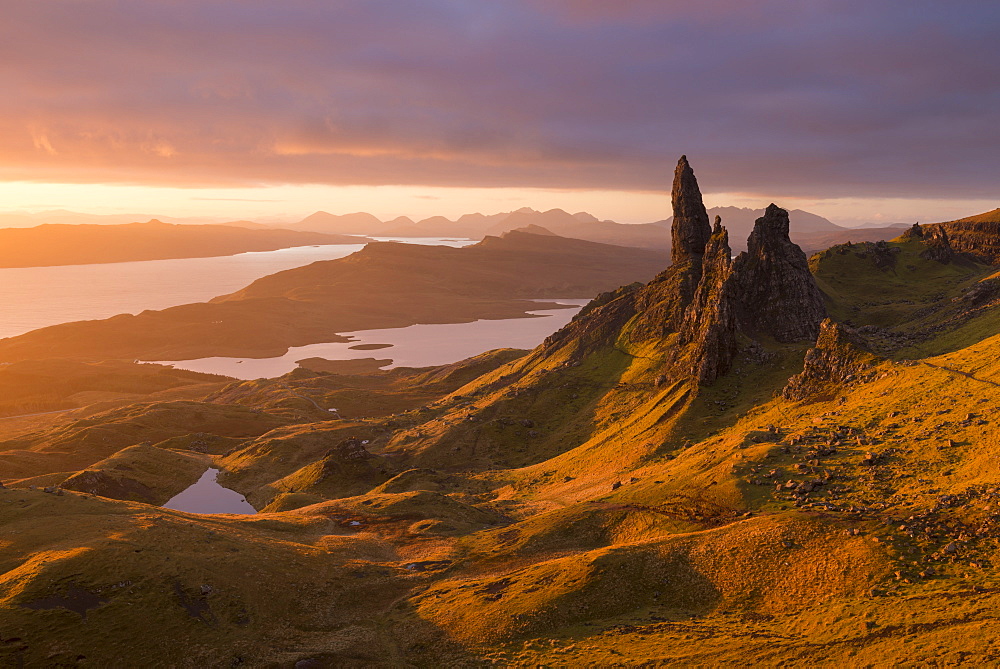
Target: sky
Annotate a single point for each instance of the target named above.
(862, 111)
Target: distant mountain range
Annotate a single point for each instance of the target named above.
(16, 219)
(476, 226)
(810, 231)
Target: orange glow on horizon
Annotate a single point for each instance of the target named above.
(289, 203)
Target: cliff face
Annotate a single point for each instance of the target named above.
(939, 245)
(975, 237)
(979, 239)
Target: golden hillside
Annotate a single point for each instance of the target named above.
(765, 459)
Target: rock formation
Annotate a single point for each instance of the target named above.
(972, 238)
(913, 232)
(710, 320)
(883, 256)
(767, 291)
(837, 358)
(977, 237)
(777, 293)
(690, 230)
(702, 309)
(663, 301)
(939, 246)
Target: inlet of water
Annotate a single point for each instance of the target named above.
(414, 346)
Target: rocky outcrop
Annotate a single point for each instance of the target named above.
(882, 255)
(709, 326)
(703, 309)
(347, 469)
(977, 237)
(913, 232)
(939, 246)
(349, 449)
(663, 301)
(766, 291)
(837, 358)
(985, 292)
(778, 296)
(973, 238)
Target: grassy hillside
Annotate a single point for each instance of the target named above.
(582, 504)
(36, 386)
(920, 307)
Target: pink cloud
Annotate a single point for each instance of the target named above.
(846, 98)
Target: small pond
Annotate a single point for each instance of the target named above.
(207, 496)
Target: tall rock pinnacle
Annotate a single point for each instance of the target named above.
(690, 230)
(708, 309)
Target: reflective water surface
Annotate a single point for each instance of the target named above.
(207, 496)
(35, 297)
(413, 346)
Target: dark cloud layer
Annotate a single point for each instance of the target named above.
(820, 99)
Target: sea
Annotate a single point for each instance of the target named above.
(36, 297)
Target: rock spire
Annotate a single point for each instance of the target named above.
(708, 309)
(690, 230)
(710, 320)
(767, 291)
(837, 358)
